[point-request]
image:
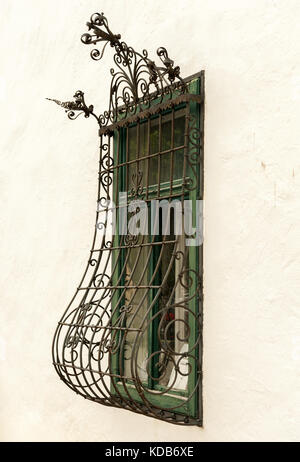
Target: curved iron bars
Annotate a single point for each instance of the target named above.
(135, 84)
(91, 342)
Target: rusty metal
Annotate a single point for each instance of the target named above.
(136, 82)
(121, 306)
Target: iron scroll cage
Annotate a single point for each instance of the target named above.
(132, 335)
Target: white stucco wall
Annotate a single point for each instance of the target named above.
(48, 174)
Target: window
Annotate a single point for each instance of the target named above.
(157, 361)
(131, 336)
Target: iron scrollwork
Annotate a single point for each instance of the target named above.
(137, 81)
(77, 106)
(99, 342)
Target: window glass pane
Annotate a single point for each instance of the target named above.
(137, 169)
(179, 130)
(154, 149)
(165, 170)
(178, 164)
(137, 302)
(172, 334)
(142, 152)
(160, 156)
(132, 154)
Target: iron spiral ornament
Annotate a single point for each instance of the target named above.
(130, 337)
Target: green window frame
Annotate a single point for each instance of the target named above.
(187, 402)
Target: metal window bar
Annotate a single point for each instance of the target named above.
(131, 336)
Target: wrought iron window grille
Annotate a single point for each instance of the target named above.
(132, 335)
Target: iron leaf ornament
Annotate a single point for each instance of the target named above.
(78, 106)
(136, 82)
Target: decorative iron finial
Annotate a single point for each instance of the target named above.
(136, 84)
(75, 106)
(98, 20)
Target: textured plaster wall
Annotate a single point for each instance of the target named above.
(48, 172)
